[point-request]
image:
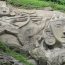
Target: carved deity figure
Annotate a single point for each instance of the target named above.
(52, 48)
(10, 24)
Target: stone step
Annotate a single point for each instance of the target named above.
(36, 18)
(33, 15)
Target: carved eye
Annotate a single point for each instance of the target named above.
(49, 33)
(58, 25)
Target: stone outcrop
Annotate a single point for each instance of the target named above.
(41, 34)
(52, 46)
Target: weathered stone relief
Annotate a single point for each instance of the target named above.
(52, 49)
(42, 38)
(10, 24)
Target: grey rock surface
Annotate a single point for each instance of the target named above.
(10, 40)
(51, 51)
(42, 36)
(32, 61)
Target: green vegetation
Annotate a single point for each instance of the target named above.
(4, 48)
(39, 4)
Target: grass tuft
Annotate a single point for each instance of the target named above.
(20, 57)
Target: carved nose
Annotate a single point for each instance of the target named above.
(64, 33)
(64, 30)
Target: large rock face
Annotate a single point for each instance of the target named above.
(52, 46)
(40, 34)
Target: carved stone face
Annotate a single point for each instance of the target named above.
(49, 38)
(58, 29)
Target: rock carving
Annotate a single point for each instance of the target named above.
(42, 38)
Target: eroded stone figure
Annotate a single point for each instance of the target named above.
(27, 34)
(52, 48)
(10, 24)
(21, 28)
(42, 38)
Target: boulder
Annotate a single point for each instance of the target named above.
(10, 40)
